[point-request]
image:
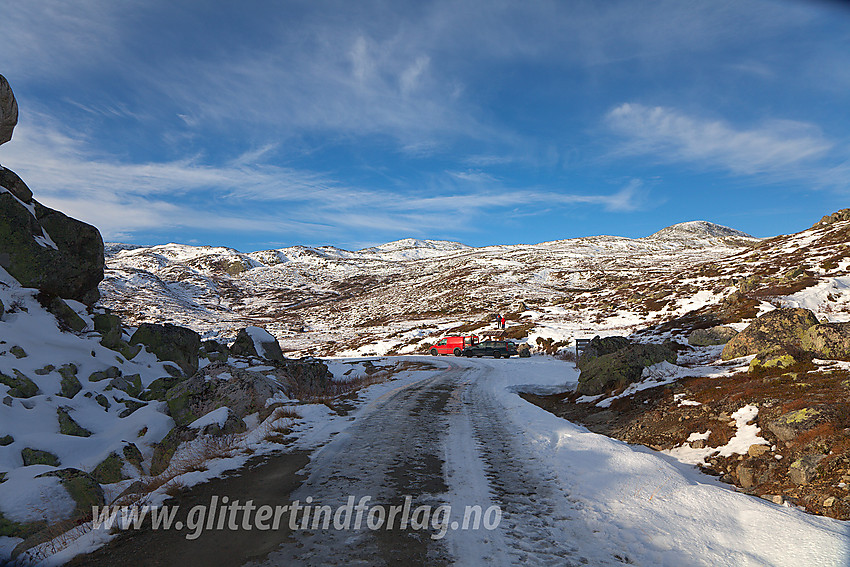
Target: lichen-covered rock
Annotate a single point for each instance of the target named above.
(133, 456)
(38, 457)
(718, 335)
(66, 317)
(159, 388)
(109, 327)
(18, 352)
(244, 392)
(165, 449)
(6, 440)
(255, 341)
(170, 342)
(50, 251)
(67, 425)
(8, 111)
(611, 372)
(777, 327)
(777, 358)
(791, 424)
(82, 487)
(600, 347)
(804, 470)
(829, 341)
(215, 351)
(131, 384)
(19, 386)
(109, 373)
(109, 470)
(70, 386)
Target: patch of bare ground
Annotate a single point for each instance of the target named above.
(808, 466)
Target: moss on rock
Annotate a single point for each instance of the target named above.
(67, 425)
(20, 386)
(109, 470)
(38, 457)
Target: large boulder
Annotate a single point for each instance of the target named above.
(829, 341)
(600, 347)
(777, 358)
(774, 328)
(8, 111)
(618, 369)
(218, 385)
(170, 342)
(712, 336)
(48, 250)
(256, 341)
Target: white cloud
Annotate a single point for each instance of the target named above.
(774, 147)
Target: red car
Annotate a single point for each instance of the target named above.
(453, 345)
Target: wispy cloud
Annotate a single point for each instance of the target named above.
(123, 199)
(668, 134)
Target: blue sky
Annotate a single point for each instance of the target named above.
(262, 124)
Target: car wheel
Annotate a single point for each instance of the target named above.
(434, 352)
(457, 352)
(497, 354)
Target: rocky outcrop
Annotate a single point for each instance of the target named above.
(170, 342)
(829, 341)
(8, 111)
(837, 216)
(600, 347)
(777, 358)
(718, 335)
(611, 372)
(255, 341)
(777, 327)
(218, 385)
(40, 247)
(47, 250)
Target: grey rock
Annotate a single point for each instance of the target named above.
(170, 342)
(8, 111)
(718, 335)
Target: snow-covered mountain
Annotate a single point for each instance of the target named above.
(326, 300)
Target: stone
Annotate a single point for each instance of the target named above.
(109, 373)
(829, 502)
(165, 449)
(70, 386)
(778, 327)
(103, 401)
(718, 335)
(82, 487)
(20, 386)
(777, 358)
(804, 470)
(67, 425)
(6, 440)
(38, 457)
(611, 372)
(758, 450)
(131, 384)
(133, 455)
(158, 388)
(109, 470)
(256, 341)
(109, 327)
(130, 406)
(830, 341)
(244, 393)
(18, 352)
(47, 250)
(170, 342)
(523, 350)
(215, 351)
(601, 346)
(8, 111)
(791, 424)
(746, 475)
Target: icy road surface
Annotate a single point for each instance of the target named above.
(462, 437)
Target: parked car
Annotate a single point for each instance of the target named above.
(496, 349)
(452, 345)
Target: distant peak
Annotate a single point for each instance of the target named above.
(698, 229)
